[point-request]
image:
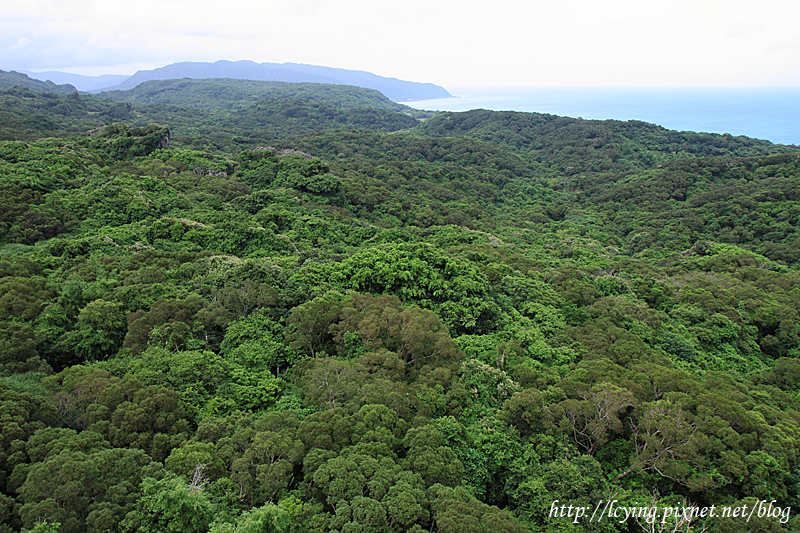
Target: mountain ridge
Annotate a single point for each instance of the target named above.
(393, 88)
(79, 81)
(11, 79)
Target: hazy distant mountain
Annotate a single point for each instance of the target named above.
(11, 79)
(80, 82)
(394, 89)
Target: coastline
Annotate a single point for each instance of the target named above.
(762, 113)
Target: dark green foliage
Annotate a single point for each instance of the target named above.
(27, 113)
(570, 146)
(25, 219)
(80, 481)
(119, 141)
(271, 117)
(18, 350)
(124, 411)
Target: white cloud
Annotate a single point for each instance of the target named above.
(21, 43)
(544, 42)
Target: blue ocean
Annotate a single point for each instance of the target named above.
(761, 113)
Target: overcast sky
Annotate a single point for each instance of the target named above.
(450, 43)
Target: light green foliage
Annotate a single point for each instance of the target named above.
(266, 519)
(193, 159)
(44, 527)
(101, 327)
(196, 374)
(487, 387)
(538, 484)
(256, 342)
(527, 291)
(186, 460)
(456, 290)
(206, 381)
(546, 318)
(171, 505)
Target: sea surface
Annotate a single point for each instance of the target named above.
(762, 113)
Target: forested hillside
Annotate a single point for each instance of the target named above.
(28, 114)
(228, 94)
(298, 316)
(12, 79)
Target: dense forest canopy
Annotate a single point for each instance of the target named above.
(313, 314)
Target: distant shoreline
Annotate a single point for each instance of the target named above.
(762, 113)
